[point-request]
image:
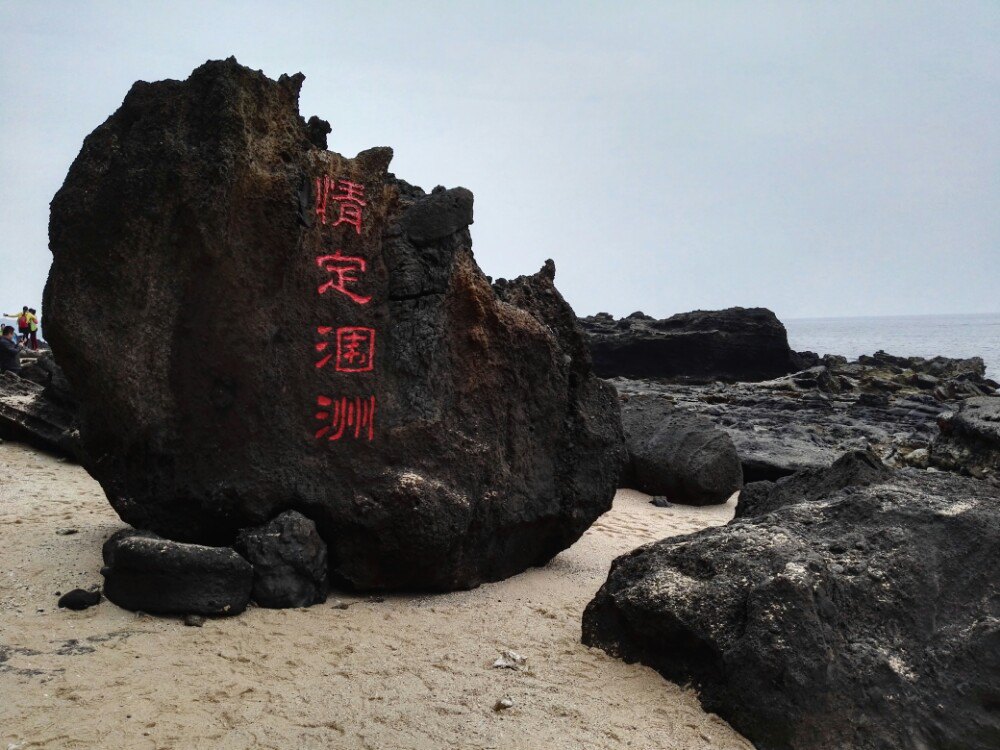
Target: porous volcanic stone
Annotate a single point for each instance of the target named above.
(866, 615)
(147, 573)
(289, 561)
(195, 292)
(969, 442)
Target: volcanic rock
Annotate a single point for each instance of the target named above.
(79, 599)
(678, 454)
(862, 616)
(737, 344)
(29, 415)
(853, 469)
(969, 442)
(806, 419)
(305, 331)
(144, 572)
(289, 561)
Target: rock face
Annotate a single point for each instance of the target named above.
(737, 344)
(289, 561)
(844, 615)
(969, 442)
(144, 572)
(806, 420)
(306, 332)
(678, 454)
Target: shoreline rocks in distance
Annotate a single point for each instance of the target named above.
(736, 344)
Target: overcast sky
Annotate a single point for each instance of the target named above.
(820, 159)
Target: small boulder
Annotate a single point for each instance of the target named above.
(969, 442)
(678, 454)
(289, 561)
(79, 599)
(147, 573)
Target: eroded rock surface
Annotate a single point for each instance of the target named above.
(305, 331)
(29, 414)
(891, 405)
(852, 608)
(969, 442)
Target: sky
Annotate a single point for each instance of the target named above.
(817, 158)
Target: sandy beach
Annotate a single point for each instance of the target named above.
(404, 672)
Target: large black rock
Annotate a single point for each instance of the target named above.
(737, 344)
(863, 613)
(288, 348)
(678, 454)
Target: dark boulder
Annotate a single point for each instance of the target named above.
(678, 454)
(144, 572)
(289, 561)
(296, 343)
(737, 344)
(79, 599)
(28, 415)
(969, 442)
(862, 616)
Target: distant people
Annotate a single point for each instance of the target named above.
(33, 328)
(23, 327)
(10, 352)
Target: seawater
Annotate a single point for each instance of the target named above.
(905, 336)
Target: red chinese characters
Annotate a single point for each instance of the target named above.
(349, 197)
(344, 269)
(355, 350)
(347, 416)
(350, 349)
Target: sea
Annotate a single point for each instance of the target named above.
(905, 336)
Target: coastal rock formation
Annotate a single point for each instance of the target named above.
(853, 469)
(289, 561)
(30, 415)
(806, 419)
(850, 613)
(678, 454)
(738, 344)
(307, 332)
(146, 573)
(969, 442)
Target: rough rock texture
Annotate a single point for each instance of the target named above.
(677, 453)
(29, 415)
(43, 370)
(737, 344)
(859, 617)
(192, 213)
(807, 419)
(144, 572)
(289, 561)
(969, 442)
(853, 469)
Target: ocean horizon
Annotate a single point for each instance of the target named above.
(926, 336)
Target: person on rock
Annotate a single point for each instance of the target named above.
(10, 352)
(33, 328)
(22, 323)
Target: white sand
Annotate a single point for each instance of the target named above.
(409, 672)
